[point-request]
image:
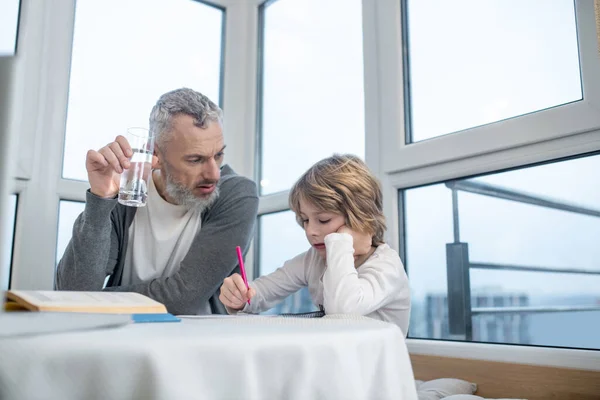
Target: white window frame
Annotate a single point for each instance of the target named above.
(563, 131)
(474, 151)
(553, 123)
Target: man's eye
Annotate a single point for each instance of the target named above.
(218, 156)
(195, 161)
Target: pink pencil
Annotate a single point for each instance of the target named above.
(242, 270)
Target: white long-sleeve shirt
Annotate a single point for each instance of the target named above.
(378, 288)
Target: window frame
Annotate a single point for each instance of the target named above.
(592, 96)
(38, 101)
(563, 121)
(401, 166)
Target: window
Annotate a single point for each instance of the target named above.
(311, 104)
(126, 53)
(476, 62)
(462, 80)
(312, 86)
(67, 214)
(8, 242)
(280, 239)
(521, 246)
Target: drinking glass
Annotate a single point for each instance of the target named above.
(133, 190)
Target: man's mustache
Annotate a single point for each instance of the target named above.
(207, 183)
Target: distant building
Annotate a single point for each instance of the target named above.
(503, 328)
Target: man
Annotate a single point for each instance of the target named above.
(179, 248)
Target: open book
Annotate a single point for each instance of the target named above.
(85, 302)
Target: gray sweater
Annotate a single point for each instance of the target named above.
(101, 233)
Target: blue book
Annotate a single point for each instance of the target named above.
(163, 317)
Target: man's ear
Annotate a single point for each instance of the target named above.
(155, 160)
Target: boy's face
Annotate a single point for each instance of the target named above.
(318, 224)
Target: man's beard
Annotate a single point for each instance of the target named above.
(186, 197)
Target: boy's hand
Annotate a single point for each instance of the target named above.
(234, 293)
(362, 241)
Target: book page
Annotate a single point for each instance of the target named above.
(84, 299)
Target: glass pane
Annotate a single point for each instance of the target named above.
(277, 245)
(476, 62)
(541, 217)
(126, 53)
(8, 242)
(68, 212)
(9, 23)
(312, 93)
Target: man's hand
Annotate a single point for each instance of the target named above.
(234, 294)
(362, 241)
(104, 167)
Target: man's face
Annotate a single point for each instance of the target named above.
(191, 161)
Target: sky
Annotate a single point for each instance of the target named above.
(475, 62)
(313, 93)
(472, 63)
(123, 61)
(9, 18)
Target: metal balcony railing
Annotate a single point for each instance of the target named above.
(460, 312)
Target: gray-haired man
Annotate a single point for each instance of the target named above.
(179, 248)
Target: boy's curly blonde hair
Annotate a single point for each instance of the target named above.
(343, 184)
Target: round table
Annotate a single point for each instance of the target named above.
(245, 357)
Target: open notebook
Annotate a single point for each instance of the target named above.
(312, 314)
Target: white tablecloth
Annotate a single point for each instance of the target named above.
(216, 358)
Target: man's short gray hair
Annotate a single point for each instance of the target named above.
(182, 101)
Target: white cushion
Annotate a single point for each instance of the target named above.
(439, 388)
